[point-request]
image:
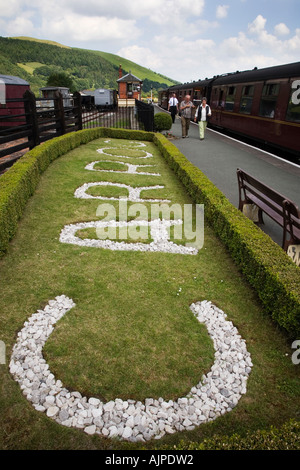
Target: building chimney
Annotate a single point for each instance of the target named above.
(120, 71)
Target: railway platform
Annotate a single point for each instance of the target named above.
(219, 156)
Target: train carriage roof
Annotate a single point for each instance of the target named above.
(268, 73)
(185, 86)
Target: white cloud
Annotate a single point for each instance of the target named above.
(20, 25)
(281, 29)
(142, 55)
(257, 25)
(157, 11)
(222, 11)
(181, 61)
(205, 58)
(171, 13)
(73, 27)
(237, 46)
(9, 8)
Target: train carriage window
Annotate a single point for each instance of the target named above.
(246, 99)
(230, 97)
(293, 110)
(221, 98)
(268, 100)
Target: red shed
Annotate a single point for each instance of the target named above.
(12, 90)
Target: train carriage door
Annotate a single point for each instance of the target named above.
(219, 104)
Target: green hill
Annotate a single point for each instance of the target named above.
(136, 69)
(34, 60)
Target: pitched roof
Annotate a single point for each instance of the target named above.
(11, 80)
(129, 78)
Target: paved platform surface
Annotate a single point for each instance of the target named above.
(218, 157)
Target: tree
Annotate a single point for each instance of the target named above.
(61, 79)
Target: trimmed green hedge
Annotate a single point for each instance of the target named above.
(266, 266)
(287, 437)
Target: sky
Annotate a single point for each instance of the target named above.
(185, 40)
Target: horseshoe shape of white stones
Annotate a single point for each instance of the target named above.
(217, 393)
(134, 193)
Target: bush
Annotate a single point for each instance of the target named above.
(284, 438)
(162, 122)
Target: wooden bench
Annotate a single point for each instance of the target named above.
(255, 198)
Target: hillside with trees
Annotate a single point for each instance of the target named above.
(35, 61)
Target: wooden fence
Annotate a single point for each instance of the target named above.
(28, 122)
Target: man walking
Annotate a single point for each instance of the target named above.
(186, 114)
(173, 106)
(203, 112)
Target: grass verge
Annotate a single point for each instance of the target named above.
(131, 334)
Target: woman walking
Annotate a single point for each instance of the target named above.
(202, 114)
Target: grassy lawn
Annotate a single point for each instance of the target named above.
(131, 334)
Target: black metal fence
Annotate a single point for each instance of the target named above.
(29, 122)
(137, 117)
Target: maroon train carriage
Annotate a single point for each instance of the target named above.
(260, 104)
(11, 102)
(197, 90)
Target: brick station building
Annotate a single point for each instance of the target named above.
(129, 88)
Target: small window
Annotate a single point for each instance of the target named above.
(293, 111)
(229, 103)
(268, 100)
(246, 100)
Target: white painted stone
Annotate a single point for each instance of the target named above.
(52, 411)
(90, 429)
(127, 433)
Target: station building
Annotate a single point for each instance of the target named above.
(129, 88)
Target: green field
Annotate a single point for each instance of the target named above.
(29, 67)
